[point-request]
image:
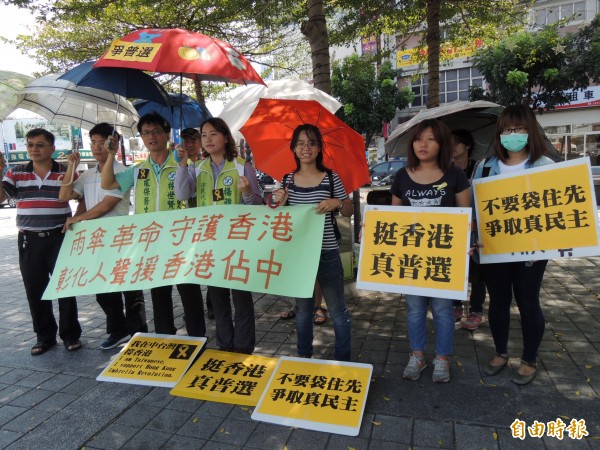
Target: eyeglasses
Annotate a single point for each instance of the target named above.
(97, 142)
(37, 146)
(152, 132)
(300, 145)
(518, 130)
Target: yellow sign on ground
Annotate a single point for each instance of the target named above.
(226, 377)
(315, 394)
(542, 213)
(418, 251)
(153, 360)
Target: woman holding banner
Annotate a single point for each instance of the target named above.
(430, 179)
(313, 183)
(519, 145)
(223, 178)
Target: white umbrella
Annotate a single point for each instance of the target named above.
(10, 84)
(478, 117)
(240, 107)
(61, 101)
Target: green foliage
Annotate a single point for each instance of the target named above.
(72, 31)
(369, 100)
(537, 67)
(461, 21)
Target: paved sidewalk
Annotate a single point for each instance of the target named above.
(53, 401)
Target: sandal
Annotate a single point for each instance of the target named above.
(290, 314)
(41, 347)
(520, 379)
(491, 370)
(73, 346)
(320, 317)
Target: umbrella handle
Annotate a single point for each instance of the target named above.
(270, 203)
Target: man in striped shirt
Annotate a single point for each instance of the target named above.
(40, 219)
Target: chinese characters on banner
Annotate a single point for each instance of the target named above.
(418, 251)
(543, 213)
(132, 51)
(226, 377)
(316, 394)
(153, 360)
(252, 248)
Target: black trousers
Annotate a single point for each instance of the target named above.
(524, 281)
(193, 308)
(238, 333)
(37, 257)
(130, 322)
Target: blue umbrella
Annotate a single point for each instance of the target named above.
(194, 114)
(130, 83)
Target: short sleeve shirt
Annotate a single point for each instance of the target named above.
(88, 187)
(439, 193)
(314, 195)
(38, 205)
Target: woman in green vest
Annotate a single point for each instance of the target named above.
(223, 178)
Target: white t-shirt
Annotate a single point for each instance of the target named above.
(88, 186)
(510, 169)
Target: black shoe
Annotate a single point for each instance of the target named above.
(114, 340)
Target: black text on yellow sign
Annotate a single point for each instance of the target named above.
(226, 378)
(153, 360)
(548, 208)
(420, 251)
(320, 395)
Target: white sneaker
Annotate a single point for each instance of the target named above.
(441, 371)
(413, 369)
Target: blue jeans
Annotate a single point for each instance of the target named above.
(443, 321)
(330, 276)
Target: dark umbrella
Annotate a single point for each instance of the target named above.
(194, 114)
(129, 83)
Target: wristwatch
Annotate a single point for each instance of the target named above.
(341, 205)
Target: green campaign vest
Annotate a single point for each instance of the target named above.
(224, 190)
(152, 194)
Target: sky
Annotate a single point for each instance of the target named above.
(14, 21)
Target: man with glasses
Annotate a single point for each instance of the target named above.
(41, 216)
(94, 202)
(153, 183)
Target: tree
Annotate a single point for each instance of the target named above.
(462, 21)
(73, 31)
(536, 68)
(315, 29)
(369, 100)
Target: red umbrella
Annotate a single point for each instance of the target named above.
(181, 52)
(269, 131)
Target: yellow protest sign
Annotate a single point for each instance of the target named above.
(153, 360)
(316, 394)
(418, 251)
(226, 377)
(542, 213)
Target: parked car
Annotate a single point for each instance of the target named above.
(9, 201)
(383, 173)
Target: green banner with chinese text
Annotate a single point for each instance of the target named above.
(252, 248)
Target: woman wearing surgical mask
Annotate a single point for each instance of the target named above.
(519, 145)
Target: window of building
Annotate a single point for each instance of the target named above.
(454, 85)
(552, 14)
